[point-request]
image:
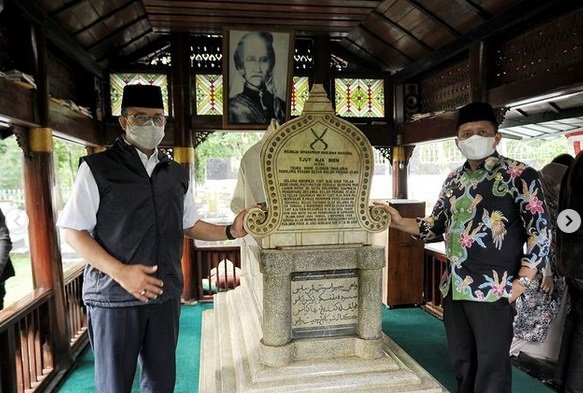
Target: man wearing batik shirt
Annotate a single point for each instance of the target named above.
(492, 215)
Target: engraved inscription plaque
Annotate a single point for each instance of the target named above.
(324, 303)
(317, 171)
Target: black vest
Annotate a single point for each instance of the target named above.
(139, 221)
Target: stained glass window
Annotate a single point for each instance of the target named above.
(118, 81)
(209, 94)
(300, 93)
(360, 97)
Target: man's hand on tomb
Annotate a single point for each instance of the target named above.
(237, 228)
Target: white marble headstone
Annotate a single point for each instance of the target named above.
(317, 171)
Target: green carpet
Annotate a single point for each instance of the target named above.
(418, 333)
(80, 378)
(422, 336)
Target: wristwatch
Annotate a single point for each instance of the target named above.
(524, 281)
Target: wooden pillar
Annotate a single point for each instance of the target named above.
(322, 63)
(400, 161)
(38, 186)
(183, 150)
(398, 164)
(478, 72)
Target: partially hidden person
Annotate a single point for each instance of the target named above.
(6, 268)
(569, 371)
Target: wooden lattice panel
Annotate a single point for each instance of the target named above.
(446, 89)
(541, 51)
(201, 136)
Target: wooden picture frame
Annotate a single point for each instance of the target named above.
(257, 75)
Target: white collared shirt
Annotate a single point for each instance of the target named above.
(80, 212)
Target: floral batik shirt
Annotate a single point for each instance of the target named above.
(493, 220)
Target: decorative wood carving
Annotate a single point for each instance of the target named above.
(201, 136)
(542, 51)
(386, 152)
(446, 89)
(22, 141)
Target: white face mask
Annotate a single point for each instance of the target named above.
(477, 147)
(145, 137)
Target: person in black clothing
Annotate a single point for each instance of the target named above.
(127, 216)
(564, 159)
(258, 103)
(6, 268)
(569, 371)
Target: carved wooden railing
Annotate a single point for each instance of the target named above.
(435, 265)
(26, 358)
(27, 345)
(76, 311)
(210, 275)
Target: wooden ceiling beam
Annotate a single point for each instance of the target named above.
(517, 16)
(542, 117)
(111, 14)
(475, 8)
(403, 31)
(386, 44)
(273, 20)
(363, 52)
(305, 31)
(226, 7)
(261, 15)
(66, 7)
(59, 37)
(436, 128)
(120, 48)
(117, 31)
(434, 18)
(287, 3)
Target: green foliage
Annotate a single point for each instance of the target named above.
(11, 172)
(222, 145)
(66, 161)
(65, 157)
(21, 284)
(536, 152)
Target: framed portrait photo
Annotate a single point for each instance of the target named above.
(257, 70)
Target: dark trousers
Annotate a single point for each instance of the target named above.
(479, 335)
(2, 294)
(570, 364)
(120, 337)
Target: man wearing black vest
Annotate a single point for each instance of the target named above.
(129, 210)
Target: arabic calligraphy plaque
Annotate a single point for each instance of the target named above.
(324, 303)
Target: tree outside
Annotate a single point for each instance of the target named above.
(66, 157)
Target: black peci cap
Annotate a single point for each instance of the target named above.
(144, 96)
(476, 111)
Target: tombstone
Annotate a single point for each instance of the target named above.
(307, 316)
